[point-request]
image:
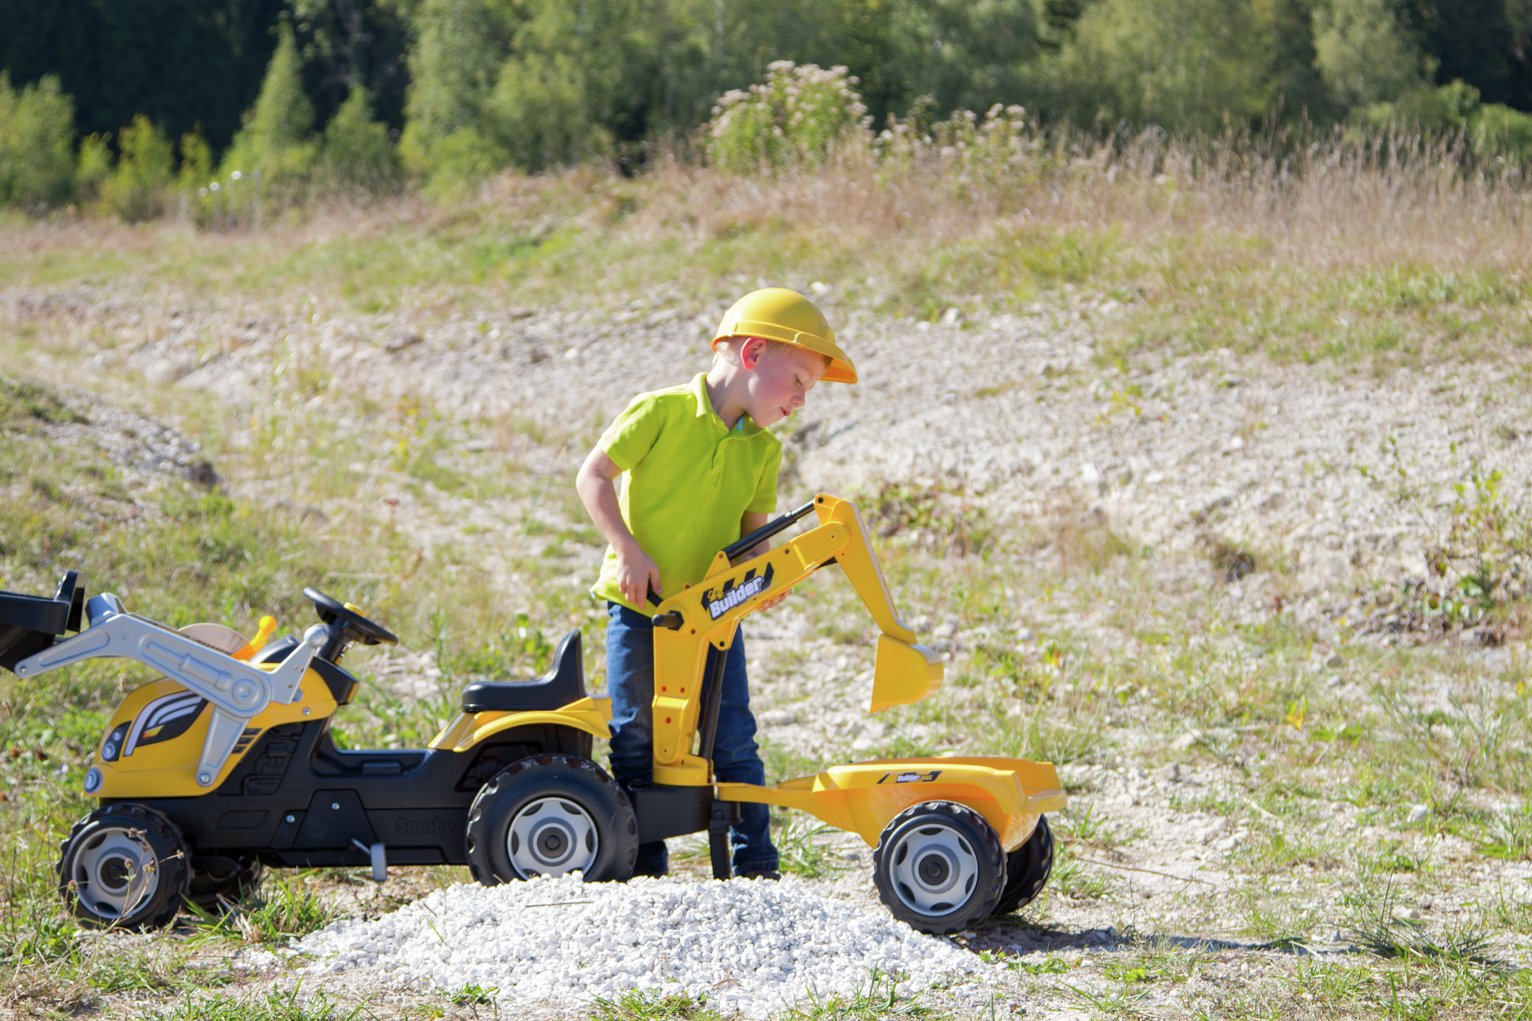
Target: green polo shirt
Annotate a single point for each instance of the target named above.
(688, 480)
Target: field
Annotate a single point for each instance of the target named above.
(1206, 468)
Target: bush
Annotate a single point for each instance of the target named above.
(37, 168)
(93, 168)
(137, 189)
(797, 117)
(1424, 110)
(1497, 131)
(458, 160)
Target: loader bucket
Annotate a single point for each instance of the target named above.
(29, 624)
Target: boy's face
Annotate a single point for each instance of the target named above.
(781, 376)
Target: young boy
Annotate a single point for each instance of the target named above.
(701, 472)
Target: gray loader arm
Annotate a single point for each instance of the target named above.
(238, 691)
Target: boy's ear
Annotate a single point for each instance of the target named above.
(751, 350)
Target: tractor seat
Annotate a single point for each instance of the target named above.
(564, 684)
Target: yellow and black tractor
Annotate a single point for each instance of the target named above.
(226, 764)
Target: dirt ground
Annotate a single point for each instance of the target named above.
(1334, 484)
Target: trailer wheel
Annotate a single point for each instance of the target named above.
(1027, 868)
(124, 866)
(548, 815)
(939, 866)
(219, 882)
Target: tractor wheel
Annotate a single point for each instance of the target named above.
(1027, 868)
(125, 866)
(217, 882)
(547, 815)
(939, 867)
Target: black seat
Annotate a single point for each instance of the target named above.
(564, 684)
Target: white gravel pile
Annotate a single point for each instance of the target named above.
(750, 946)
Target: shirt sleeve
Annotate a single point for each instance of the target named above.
(632, 433)
(765, 499)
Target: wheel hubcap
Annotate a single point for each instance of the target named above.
(551, 836)
(934, 869)
(113, 873)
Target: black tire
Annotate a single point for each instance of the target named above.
(219, 883)
(124, 866)
(939, 866)
(551, 814)
(1026, 869)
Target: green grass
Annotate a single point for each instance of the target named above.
(646, 1005)
(1067, 639)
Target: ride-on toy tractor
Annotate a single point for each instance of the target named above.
(226, 764)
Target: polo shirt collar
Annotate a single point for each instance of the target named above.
(746, 426)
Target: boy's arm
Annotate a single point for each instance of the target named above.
(749, 523)
(595, 482)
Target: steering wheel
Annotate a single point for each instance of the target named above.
(366, 631)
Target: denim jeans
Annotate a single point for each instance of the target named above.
(630, 682)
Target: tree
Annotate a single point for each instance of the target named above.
(36, 144)
(357, 152)
(1181, 64)
(136, 189)
(1364, 52)
(459, 48)
(277, 139)
(1295, 90)
(347, 44)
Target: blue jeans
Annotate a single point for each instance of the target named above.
(736, 759)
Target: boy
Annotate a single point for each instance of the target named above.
(702, 471)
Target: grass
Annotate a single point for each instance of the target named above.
(1307, 743)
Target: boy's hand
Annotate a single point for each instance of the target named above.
(637, 574)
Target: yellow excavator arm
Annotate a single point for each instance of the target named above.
(707, 615)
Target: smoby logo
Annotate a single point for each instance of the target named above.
(721, 601)
(911, 776)
(434, 826)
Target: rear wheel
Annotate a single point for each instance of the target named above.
(548, 815)
(218, 883)
(939, 866)
(1027, 868)
(124, 865)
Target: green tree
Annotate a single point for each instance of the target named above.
(1295, 90)
(350, 43)
(136, 189)
(1365, 53)
(36, 144)
(92, 168)
(459, 48)
(277, 141)
(357, 152)
(1181, 64)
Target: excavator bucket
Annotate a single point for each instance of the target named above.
(903, 672)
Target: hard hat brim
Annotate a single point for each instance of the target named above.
(840, 369)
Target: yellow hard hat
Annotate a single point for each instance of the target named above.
(777, 313)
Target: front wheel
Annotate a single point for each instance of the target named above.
(548, 815)
(124, 866)
(939, 866)
(1027, 868)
